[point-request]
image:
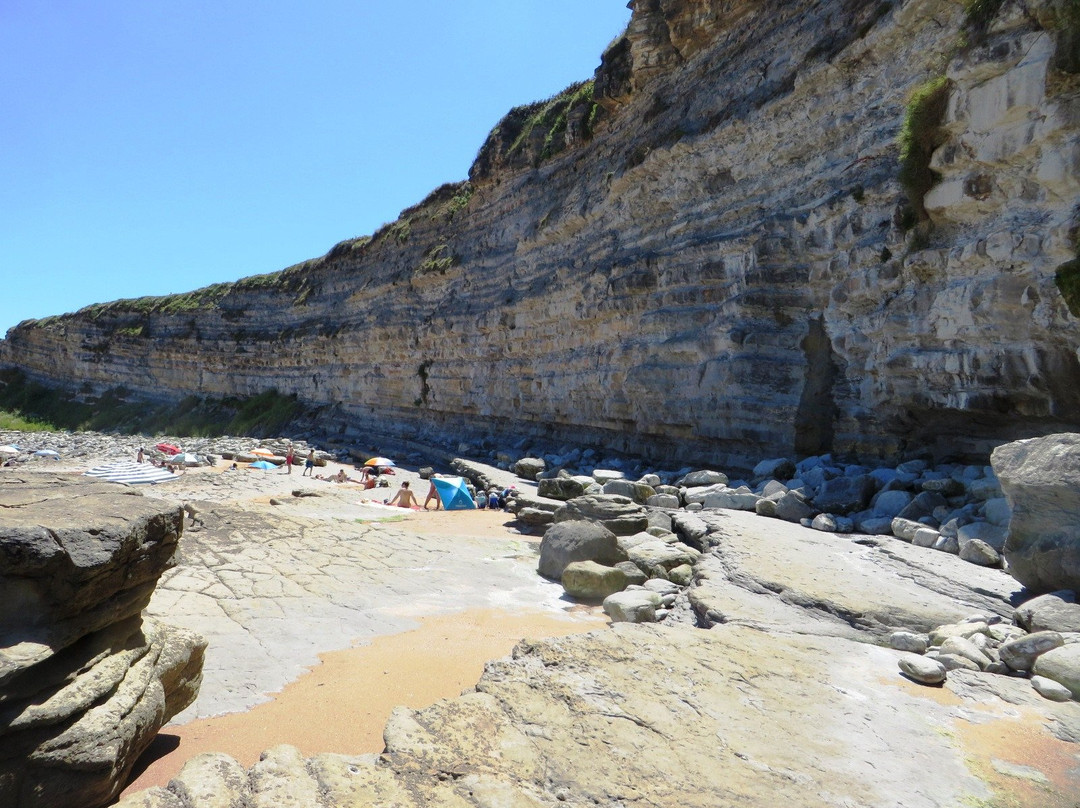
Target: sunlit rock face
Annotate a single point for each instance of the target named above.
(718, 261)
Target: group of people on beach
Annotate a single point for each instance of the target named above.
(493, 499)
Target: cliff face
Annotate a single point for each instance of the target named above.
(706, 251)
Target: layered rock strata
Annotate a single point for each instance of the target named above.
(85, 683)
(709, 257)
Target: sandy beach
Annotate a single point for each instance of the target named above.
(434, 596)
(342, 704)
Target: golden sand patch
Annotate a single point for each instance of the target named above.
(1011, 750)
(342, 704)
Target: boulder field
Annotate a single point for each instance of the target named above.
(796, 666)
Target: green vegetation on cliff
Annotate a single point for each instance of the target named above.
(1067, 279)
(1067, 26)
(532, 133)
(206, 298)
(29, 406)
(920, 134)
(10, 420)
(978, 14)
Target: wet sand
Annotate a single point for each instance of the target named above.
(342, 704)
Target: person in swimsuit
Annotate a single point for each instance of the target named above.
(404, 497)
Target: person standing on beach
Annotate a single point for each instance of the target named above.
(309, 464)
(140, 456)
(289, 457)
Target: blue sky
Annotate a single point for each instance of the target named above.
(150, 147)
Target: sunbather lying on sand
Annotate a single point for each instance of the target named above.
(340, 477)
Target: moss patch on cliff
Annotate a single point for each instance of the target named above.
(206, 298)
(920, 134)
(978, 14)
(457, 202)
(1067, 35)
(532, 133)
(1067, 279)
(438, 259)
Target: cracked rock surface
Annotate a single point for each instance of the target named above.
(777, 575)
(789, 698)
(272, 590)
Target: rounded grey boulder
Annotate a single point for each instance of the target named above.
(621, 515)
(1057, 611)
(922, 669)
(578, 540)
(1061, 664)
(528, 467)
(1041, 480)
(587, 580)
(563, 488)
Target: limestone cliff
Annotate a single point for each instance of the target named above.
(705, 252)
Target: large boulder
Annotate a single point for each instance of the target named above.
(1062, 665)
(792, 508)
(1041, 479)
(75, 557)
(587, 580)
(528, 467)
(85, 684)
(535, 517)
(1056, 611)
(634, 606)
(76, 725)
(670, 501)
(696, 479)
(845, 494)
(733, 499)
(621, 515)
(778, 468)
(562, 488)
(638, 492)
(890, 503)
(577, 540)
(1020, 653)
(657, 558)
(922, 505)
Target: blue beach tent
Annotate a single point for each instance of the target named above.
(454, 493)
